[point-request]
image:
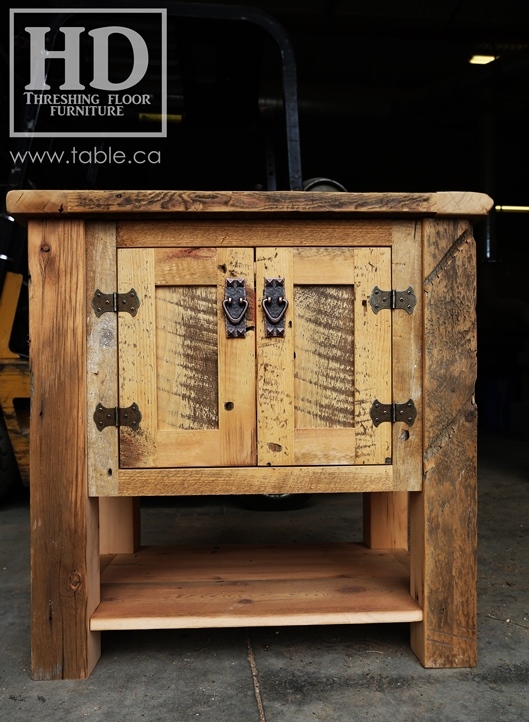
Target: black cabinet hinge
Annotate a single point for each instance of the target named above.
(115, 416)
(117, 302)
(393, 412)
(405, 300)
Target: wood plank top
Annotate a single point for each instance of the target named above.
(166, 204)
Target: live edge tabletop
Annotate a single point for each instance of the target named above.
(186, 343)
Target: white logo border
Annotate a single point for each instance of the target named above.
(63, 11)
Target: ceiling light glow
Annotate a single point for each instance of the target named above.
(482, 59)
(512, 209)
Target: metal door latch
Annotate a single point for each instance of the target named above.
(274, 306)
(235, 306)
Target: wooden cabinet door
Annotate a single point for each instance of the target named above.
(195, 387)
(299, 399)
(316, 385)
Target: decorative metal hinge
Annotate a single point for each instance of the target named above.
(116, 302)
(393, 412)
(405, 300)
(115, 416)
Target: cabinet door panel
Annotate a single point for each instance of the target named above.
(317, 384)
(195, 387)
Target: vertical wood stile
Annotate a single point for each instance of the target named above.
(443, 537)
(64, 520)
(372, 355)
(137, 356)
(275, 366)
(386, 514)
(236, 365)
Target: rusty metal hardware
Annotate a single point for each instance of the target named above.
(115, 416)
(393, 412)
(405, 300)
(116, 302)
(274, 306)
(235, 306)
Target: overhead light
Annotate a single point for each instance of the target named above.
(482, 59)
(512, 209)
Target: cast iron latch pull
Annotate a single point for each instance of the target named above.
(235, 306)
(393, 412)
(274, 306)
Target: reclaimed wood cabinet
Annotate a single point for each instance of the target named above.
(190, 343)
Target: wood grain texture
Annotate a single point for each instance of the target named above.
(64, 534)
(324, 446)
(137, 357)
(386, 515)
(443, 515)
(102, 358)
(187, 357)
(324, 363)
(258, 585)
(236, 368)
(326, 266)
(119, 525)
(236, 233)
(255, 480)
(275, 366)
(66, 203)
(372, 355)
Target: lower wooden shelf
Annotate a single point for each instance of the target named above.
(265, 585)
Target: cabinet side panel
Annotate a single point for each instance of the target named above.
(64, 543)
(443, 515)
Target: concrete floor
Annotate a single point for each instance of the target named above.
(336, 673)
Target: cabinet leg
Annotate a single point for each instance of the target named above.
(64, 520)
(386, 520)
(119, 525)
(443, 537)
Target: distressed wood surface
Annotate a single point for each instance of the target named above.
(236, 367)
(64, 521)
(102, 358)
(64, 203)
(196, 385)
(386, 515)
(372, 355)
(258, 585)
(137, 357)
(324, 363)
(255, 480)
(187, 357)
(443, 516)
(275, 365)
(270, 232)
